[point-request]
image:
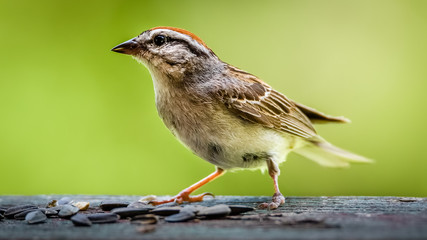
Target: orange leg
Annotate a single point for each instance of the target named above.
(184, 195)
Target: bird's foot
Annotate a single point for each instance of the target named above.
(182, 197)
(278, 199)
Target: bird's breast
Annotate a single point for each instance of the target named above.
(188, 120)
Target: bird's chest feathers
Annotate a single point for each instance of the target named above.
(176, 115)
(182, 115)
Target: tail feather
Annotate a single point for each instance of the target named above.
(328, 155)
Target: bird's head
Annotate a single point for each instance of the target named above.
(170, 51)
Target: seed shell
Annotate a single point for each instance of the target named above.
(52, 203)
(68, 211)
(103, 217)
(130, 212)
(182, 216)
(21, 215)
(239, 209)
(139, 204)
(83, 206)
(81, 220)
(35, 217)
(2, 210)
(217, 211)
(64, 201)
(12, 211)
(109, 205)
(166, 211)
(51, 212)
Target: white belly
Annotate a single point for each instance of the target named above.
(249, 146)
(229, 142)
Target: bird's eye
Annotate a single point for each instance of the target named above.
(159, 40)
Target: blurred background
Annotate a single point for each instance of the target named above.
(76, 118)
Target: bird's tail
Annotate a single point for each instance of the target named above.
(328, 155)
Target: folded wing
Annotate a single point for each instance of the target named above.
(319, 117)
(256, 102)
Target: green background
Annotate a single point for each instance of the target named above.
(78, 118)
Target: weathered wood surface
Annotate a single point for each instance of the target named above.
(299, 218)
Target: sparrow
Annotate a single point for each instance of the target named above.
(225, 115)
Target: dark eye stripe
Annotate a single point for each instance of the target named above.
(190, 47)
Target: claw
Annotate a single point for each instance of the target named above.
(208, 194)
(182, 197)
(268, 206)
(277, 200)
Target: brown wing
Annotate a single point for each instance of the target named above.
(255, 101)
(319, 117)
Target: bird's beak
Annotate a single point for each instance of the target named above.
(129, 47)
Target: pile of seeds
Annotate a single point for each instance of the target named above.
(139, 212)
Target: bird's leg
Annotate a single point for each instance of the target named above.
(278, 198)
(184, 195)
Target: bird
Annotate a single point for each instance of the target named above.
(225, 115)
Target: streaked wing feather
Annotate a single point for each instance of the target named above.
(257, 102)
(319, 117)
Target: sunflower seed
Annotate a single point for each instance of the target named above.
(166, 211)
(12, 211)
(1, 216)
(83, 206)
(51, 212)
(139, 204)
(182, 216)
(103, 217)
(2, 210)
(52, 203)
(217, 211)
(109, 205)
(64, 201)
(35, 217)
(238, 209)
(130, 212)
(21, 215)
(81, 220)
(407, 199)
(67, 211)
(190, 208)
(57, 208)
(147, 199)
